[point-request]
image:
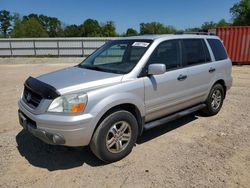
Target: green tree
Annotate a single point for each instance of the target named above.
(108, 29)
(18, 30)
(152, 28)
(72, 31)
(194, 29)
(131, 32)
(170, 30)
(31, 16)
(28, 28)
(208, 25)
(5, 22)
(223, 23)
(52, 25)
(241, 13)
(16, 17)
(156, 28)
(91, 28)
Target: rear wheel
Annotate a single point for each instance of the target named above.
(215, 100)
(115, 136)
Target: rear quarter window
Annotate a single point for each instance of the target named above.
(218, 49)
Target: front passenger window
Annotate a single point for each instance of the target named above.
(167, 53)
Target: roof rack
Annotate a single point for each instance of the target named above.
(194, 33)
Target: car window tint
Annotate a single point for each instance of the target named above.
(218, 49)
(193, 52)
(167, 53)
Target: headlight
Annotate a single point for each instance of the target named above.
(72, 103)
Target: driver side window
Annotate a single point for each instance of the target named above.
(167, 53)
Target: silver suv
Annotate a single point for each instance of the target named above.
(125, 87)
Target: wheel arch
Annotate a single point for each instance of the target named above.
(221, 82)
(130, 107)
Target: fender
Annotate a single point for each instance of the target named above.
(214, 80)
(117, 99)
(99, 109)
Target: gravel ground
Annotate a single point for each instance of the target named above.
(194, 151)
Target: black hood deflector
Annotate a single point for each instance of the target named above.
(45, 90)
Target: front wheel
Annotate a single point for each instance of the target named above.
(115, 136)
(215, 100)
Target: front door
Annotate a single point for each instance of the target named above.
(166, 93)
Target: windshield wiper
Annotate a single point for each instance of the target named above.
(103, 69)
(91, 67)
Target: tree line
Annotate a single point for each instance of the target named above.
(34, 25)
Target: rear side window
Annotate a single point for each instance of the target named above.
(167, 53)
(195, 52)
(218, 49)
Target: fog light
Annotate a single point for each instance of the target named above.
(58, 139)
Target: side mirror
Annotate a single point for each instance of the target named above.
(156, 69)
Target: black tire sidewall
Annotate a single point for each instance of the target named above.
(210, 109)
(100, 139)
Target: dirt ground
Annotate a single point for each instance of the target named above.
(194, 151)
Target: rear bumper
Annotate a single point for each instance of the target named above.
(58, 129)
(229, 83)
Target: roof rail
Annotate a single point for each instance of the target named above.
(194, 33)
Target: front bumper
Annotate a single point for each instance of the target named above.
(43, 135)
(56, 128)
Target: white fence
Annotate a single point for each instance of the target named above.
(50, 46)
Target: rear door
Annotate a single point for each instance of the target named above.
(166, 93)
(222, 65)
(197, 63)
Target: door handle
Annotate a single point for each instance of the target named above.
(182, 77)
(211, 70)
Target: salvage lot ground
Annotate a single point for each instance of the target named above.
(194, 151)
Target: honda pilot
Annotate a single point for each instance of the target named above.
(125, 87)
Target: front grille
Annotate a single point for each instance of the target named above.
(31, 98)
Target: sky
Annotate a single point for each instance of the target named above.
(130, 13)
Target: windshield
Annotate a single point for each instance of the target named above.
(118, 56)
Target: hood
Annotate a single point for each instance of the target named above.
(75, 79)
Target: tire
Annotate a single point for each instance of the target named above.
(115, 136)
(214, 101)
